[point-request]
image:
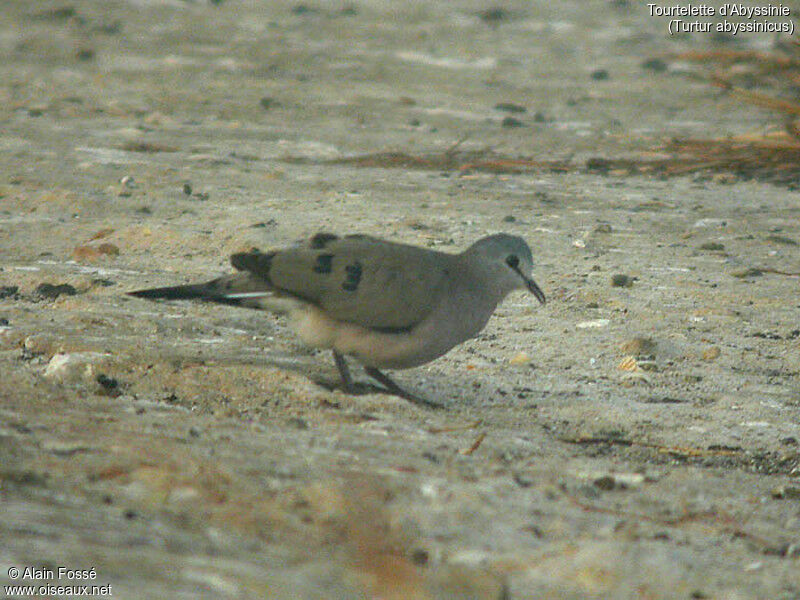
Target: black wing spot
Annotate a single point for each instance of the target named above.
(352, 277)
(322, 239)
(255, 262)
(324, 264)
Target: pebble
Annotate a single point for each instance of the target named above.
(633, 363)
(639, 346)
(655, 64)
(711, 353)
(126, 185)
(595, 324)
(9, 337)
(51, 291)
(614, 481)
(751, 272)
(266, 103)
(62, 448)
(786, 492)
(521, 358)
(620, 280)
(781, 239)
(512, 122)
(38, 343)
(94, 251)
(75, 367)
(297, 423)
(714, 246)
(510, 107)
(8, 290)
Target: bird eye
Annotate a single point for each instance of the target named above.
(512, 261)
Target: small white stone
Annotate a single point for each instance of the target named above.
(128, 181)
(75, 367)
(596, 324)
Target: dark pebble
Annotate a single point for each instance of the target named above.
(606, 483)
(266, 103)
(598, 165)
(302, 9)
(510, 107)
(509, 219)
(297, 423)
(48, 290)
(109, 28)
(523, 480)
(538, 117)
(109, 384)
(512, 122)
(712, 246)
(84, 54)
(187, 189)
(8, 290)
(3, 322)
(621, 280)
(431, 457)
(264, 224)
(781, 239)
(655, 64)
(494, 15)
(420, 557)
(600, 75)
(103, 282)
(62, 13)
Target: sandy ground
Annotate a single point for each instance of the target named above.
(624, 441)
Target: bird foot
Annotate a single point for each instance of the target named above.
(389, 386)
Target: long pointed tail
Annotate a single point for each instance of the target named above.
(199, 291)
(234, 290)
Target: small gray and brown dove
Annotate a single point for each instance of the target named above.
(386, 305)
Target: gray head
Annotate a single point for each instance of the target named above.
(506, 262)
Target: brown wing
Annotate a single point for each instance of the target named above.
(358, 279)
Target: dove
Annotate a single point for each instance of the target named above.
(384, 304)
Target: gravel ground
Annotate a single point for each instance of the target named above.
(637, 437)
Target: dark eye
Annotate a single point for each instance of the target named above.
(512, 261)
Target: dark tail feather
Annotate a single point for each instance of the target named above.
(176, 292)
(222, 291)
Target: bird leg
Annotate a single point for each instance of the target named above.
(395, 389)
(344, 373)
(351, 388)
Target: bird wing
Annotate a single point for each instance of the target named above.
(358, 279)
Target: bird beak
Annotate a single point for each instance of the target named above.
(532, 287)
(535, 290)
